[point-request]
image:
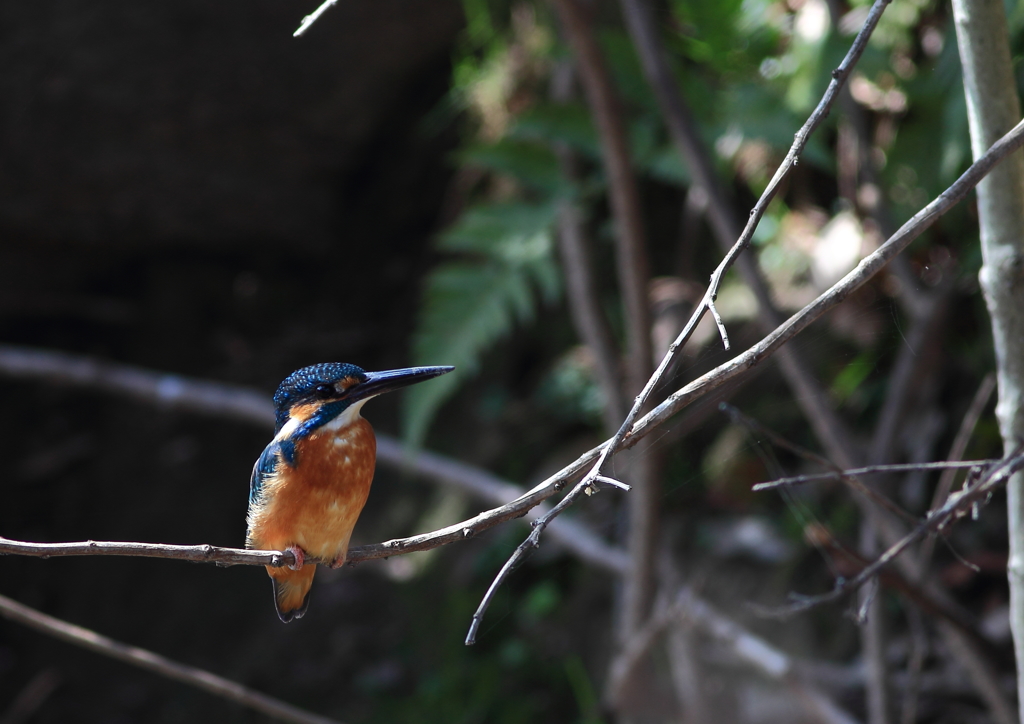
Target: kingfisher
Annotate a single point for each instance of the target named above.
(311, 482)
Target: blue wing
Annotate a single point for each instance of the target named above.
(264, 468)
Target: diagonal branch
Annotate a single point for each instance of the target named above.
(150, 661)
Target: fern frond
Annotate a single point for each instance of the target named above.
(506, 262)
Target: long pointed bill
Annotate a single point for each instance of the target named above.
(377, 383)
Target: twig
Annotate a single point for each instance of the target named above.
(144, 659)
(313, 17)
(872, 469)
(234, 556)
(956, 453)
(995, 477)
(872, 495)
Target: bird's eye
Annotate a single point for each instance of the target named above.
(324, 391)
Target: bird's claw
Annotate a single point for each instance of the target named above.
(338, 562)
(300, 557)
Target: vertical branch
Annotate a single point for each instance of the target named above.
(583, 299)
(992, 107)
(622, 187)
(633, 278)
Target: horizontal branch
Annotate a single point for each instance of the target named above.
(237, 556)
(144, 659)
(233, 402)
(871, 469)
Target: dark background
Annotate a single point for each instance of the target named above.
(186, 187)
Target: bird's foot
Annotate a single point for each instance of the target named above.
(300, 557)
(339, 561)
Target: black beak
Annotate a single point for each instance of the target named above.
(377, 383)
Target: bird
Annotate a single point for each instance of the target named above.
(311, 482)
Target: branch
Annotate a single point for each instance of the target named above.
(872, 469)
(957, 506)
(144, 659)
(631, 433)
(251, 406)
(313, 17)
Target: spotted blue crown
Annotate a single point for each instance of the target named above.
(300, 385)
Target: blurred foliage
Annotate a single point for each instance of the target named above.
(752, 70)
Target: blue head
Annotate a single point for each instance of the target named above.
(320, 393)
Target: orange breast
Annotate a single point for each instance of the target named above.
(315, 505)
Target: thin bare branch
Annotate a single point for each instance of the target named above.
(313, 17)
(873, 469)
(175, 392)
(956, 453)
(150, 661)
(856, 485)
(958, 505)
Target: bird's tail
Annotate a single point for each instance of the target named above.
(291, 590)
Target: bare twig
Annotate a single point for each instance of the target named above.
(956, 453)
(868, 267)
(144, 659)
(958, 505)
(313, 17)
(872, 469)
(856, 485)
(234, 556)
(176, 392)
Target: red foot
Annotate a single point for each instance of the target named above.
(300, 557)
(339, 561)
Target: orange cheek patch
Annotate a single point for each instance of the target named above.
(303, 412)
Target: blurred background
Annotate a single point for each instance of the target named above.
(186, 188)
